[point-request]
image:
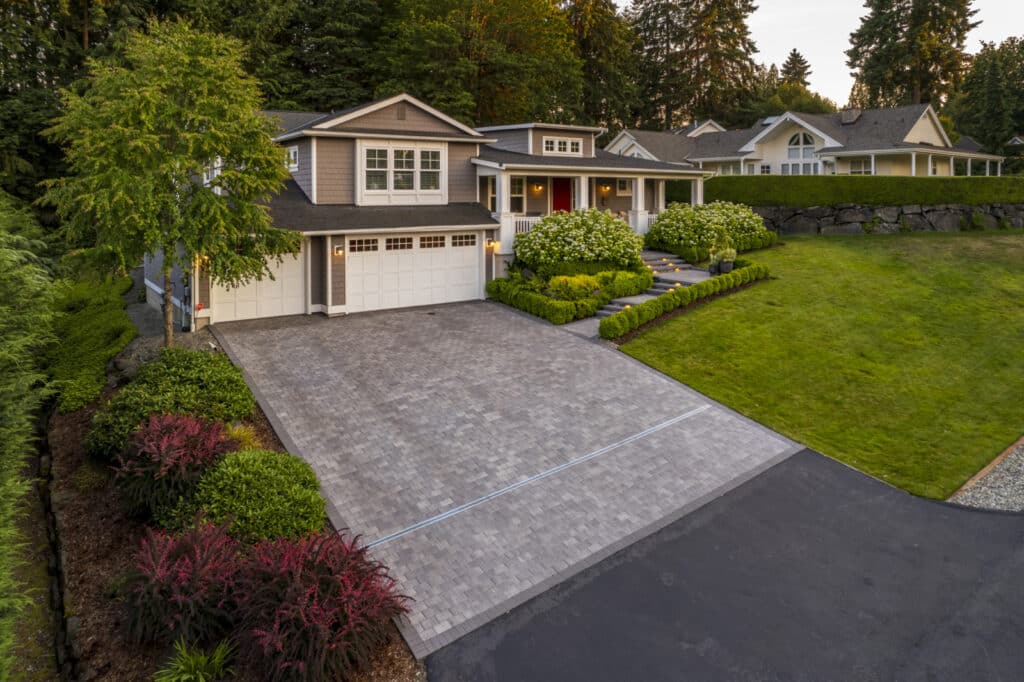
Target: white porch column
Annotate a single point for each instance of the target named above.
(913, 164)
(988, 168)
(952, 168)
(503, 200)
(999, 168)
(583, 192)
(968, 166)
(638, 214)
(697, 191)
(872, 164)
(659, 187)
(930, 168)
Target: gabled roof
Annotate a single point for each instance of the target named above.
(340, 117)
(1016, 140)
(552, 126)
(289, 120)
(292, 210)
(601, 161)
(799, 119)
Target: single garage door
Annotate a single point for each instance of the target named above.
(399, 271)
(283, 295)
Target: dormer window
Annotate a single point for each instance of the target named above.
(293, 159)
(563, 146)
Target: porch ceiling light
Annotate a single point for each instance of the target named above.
(538, 187)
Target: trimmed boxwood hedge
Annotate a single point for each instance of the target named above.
(559, 311)
(804, 191)
(625, 321)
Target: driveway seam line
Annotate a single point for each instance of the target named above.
(640, 435)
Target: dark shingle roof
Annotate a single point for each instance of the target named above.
(967, 144)
(292, 210)
(665, 146)
(289, 120)
(601, 160)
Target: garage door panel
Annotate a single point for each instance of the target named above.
(285, 294)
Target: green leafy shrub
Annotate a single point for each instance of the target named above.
(572, 288)
(830, 190)
(179, 382)
(263, 495)
(532, 295)
(692, 231)
(590, 236)
(165, 459)
(92, 328)
(519, 296)
(192, 664)
(621, 283)
(625, 321)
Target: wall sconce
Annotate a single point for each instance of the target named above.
(492, 243)
(606, 188)
(339, 250)
(538, 187)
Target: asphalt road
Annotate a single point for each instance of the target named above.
(810, 571)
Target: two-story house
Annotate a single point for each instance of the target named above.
(401, 205)
(907, 141)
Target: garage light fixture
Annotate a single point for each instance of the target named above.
(339, 250)
(491, 242)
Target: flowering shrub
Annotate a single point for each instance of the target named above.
(691, 231)
(183, 585)
(590, 236)
(317, 607)
(263, 494)
(165, 459)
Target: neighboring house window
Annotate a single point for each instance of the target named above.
(463, 240)
(361, 245)
(432, 242)
(624, 187)
(293, 159)
(377, 169)
(860, 166)
(563, 146)
(766, 169)
(750, 169)
(801, 147)
(517, 195)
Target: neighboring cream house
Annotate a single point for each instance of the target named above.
(401, 205)
(906, 141)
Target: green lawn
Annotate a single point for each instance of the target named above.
(901, 355)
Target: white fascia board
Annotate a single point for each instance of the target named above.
(398, 230)
(788, 117)
(379, 136)
(591, 170)
(938, 124)
(404, 97)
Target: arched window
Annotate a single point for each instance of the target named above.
(801, 150)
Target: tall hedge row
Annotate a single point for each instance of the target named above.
(829, 190)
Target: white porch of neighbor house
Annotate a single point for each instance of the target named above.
(519, 201)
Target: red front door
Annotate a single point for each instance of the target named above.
(561, 194)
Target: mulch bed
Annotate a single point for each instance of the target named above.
(665, 317)
(98, 539)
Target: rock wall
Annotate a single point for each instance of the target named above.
(856, 219)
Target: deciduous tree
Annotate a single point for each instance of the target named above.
(138, 141)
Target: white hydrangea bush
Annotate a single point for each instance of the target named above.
(588, 236)
(700, 227)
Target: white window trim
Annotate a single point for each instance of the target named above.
(293, 158)
(619, 191)
(513, 195)
(568, 146)
(391, 196)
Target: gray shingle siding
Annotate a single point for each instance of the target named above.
(461, 173)
(335, 171)
(304, 175)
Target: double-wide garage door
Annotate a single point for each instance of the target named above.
(283, 295)
(397, 271)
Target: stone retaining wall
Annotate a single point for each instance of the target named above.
(856, 219)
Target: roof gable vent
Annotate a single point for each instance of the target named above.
(849, 116)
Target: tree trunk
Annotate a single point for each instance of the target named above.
(168, 309)
(85, 25)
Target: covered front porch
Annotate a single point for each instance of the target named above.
(519, 201)
(916, 163)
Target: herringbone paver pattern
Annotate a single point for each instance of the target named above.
(408, 415)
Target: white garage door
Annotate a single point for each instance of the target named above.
(283, 295)
(408, 270)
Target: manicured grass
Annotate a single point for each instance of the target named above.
(900, 355)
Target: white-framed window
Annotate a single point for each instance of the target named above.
(860, 166)
(801, 146)
(517, 195)
(751, 169)
(729, 169)
(766, 169)
(397, 243)
(293, 159)
(801, 168)
(463, 240)
(361, 245)
(624, 187)
(401, 172)
(434, 241)
(492, 193)
(563, 146)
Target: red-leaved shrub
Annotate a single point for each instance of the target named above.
(165, 458)
(183, 585)
(315, 608)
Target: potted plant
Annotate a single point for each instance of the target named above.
(726, 258)
(713, 261)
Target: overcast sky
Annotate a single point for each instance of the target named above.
(821, 29)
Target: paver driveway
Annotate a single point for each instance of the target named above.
(486, 455)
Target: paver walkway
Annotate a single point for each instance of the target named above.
(486, 455)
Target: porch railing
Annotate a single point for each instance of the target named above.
(524, 224)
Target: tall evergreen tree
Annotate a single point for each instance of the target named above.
(658, 25)
(910, 51)
(990, 106)
(605, 45)
(796, 69)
